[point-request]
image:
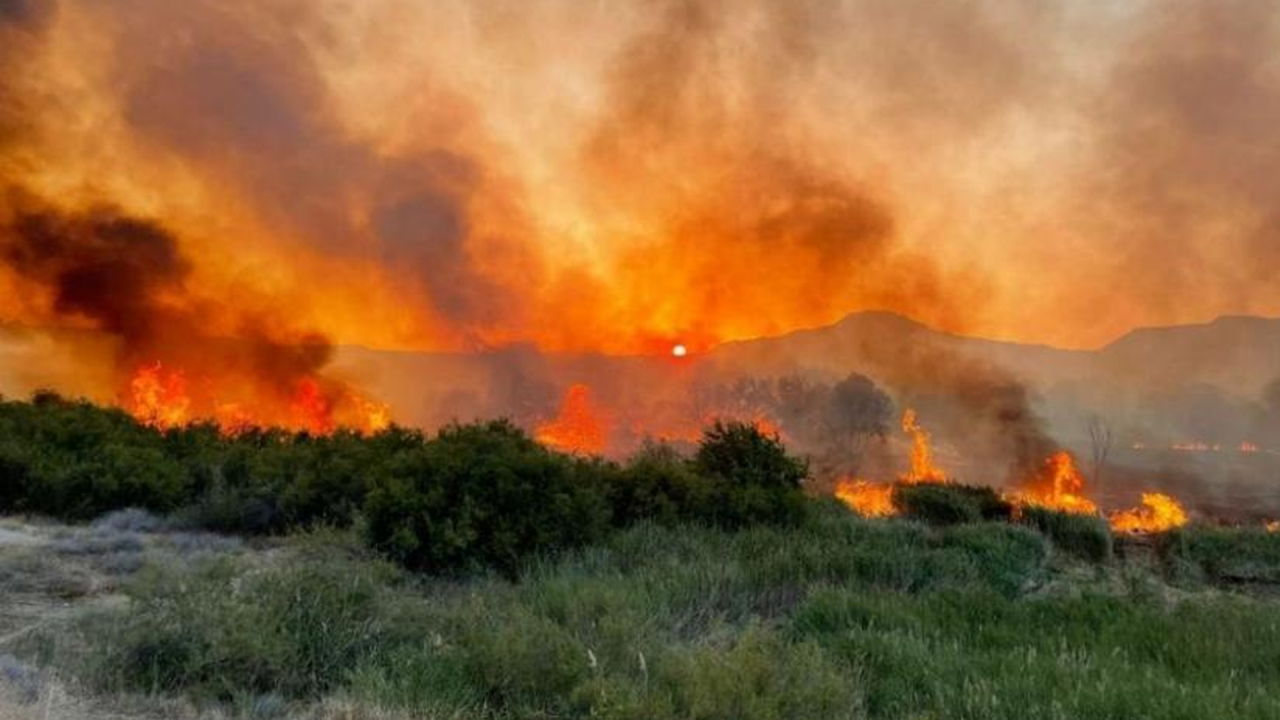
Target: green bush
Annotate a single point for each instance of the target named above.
(753, 478)
(950, 504)
(218, 633)
(659, 485)
(1227, 555)
(759, 677)
(1085, 536)
(483, 495)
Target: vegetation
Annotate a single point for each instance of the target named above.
(835, 617)
(950, 504)
(475, 496)
(556, 586)
(1085, 536)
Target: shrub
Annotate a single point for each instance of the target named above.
(483, 495)
(658, 484)
(950, 504)
(216, 633)
(760, 677)
(753, 479)
(1227, 555)
(130, 520)
(14, 479)
(1085, 536)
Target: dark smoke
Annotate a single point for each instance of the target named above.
(99, 265)
(126, 277)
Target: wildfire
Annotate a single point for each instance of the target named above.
(1159, 512)
(310, 409)
(1059, 486)
(165, 398)
(875, 499)
(1272, 526)
(578, 427)
(159, 396)
(868, 499)
(1248, 447)
(922, 468)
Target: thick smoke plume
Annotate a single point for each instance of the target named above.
(621, 178)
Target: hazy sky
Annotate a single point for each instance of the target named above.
(621, 176)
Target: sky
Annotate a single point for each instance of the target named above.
(621, 177)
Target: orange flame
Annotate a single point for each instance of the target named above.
(922, 468)
(1248, 447)
(1272, 526)
(310, 408)
(159, 396)
(1159, 512)
(1059, 486)
(868, 499)
(578, 427)
(164, 398)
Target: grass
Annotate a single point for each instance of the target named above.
(838, 618)
(1087, 537)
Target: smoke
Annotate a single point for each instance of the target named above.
(101, 266)
(619, 179)
(126, 277)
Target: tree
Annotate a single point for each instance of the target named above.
(858, 411)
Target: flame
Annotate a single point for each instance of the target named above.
(578, 427)
(922, 468)
(1248, 447)
(1159, 512)
(310, 408)
(165, 397)
(159, 396)
(377, 415)
(1059, 486)
(766, 426)
(868, 499)
(1272, 526)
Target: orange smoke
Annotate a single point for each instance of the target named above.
(1059, 486)
(579, 427)
(1158, 513)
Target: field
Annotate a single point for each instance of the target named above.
(477, 574)
(839, 617)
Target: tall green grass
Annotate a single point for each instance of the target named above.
(839, 617)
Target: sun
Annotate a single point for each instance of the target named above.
(679, 350)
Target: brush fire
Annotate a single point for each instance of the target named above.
(230, 212)
(1058, 485)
